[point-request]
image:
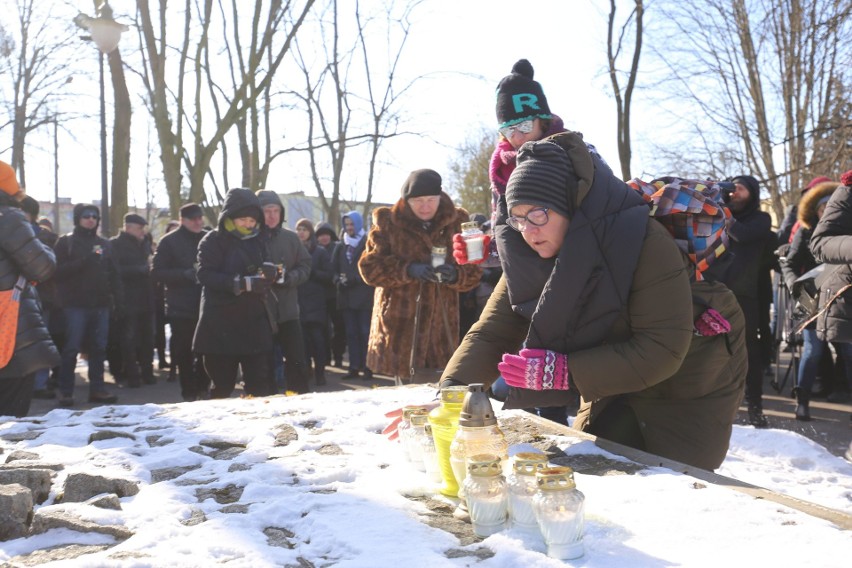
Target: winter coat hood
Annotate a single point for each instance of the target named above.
(311, 243)
(240, 202)
(356, 219)
(325, 227)
(753, 187)
(269, 197)
(80, 208)
(808, 205)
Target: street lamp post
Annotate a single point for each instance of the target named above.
(106, 33)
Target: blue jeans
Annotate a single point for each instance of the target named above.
(812, 351)
(357, 335)
(87, 327)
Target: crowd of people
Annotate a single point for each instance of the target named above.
(648, 306)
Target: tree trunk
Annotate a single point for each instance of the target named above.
(120, 141)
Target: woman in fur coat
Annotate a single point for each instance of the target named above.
(398, 262)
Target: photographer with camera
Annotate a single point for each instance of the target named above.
(747, 274)
(235, 326)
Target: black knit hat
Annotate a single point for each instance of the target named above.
(134, 218)
(191, 211)
(751, 184)
(421, 183)
(30, 206)
(544, 177)
(519, 98)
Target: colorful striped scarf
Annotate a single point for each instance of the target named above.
(694, 214)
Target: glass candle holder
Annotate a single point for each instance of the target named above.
(523, 487)
(430, 455)
(487, 497)
(473, 240)
(416, 433)
(559, 511)
(445, 421)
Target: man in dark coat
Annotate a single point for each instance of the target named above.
(23, 259)
(746, 273)
(312, 307)
(87, 288)
(175, 267)
(336, 335)
(286, 250)
(132, 252)
(235, 327)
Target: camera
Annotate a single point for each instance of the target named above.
(727, 188)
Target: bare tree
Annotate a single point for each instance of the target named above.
(181, 102)
(341, 114)
(469, 180)
(624, 98)
(34, 58)
(765, 80)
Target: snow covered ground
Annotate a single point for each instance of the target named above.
(339, 494)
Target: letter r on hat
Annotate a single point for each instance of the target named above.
(525, 100)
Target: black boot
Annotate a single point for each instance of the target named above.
(319, 375)
(803, 413)
(756, 417)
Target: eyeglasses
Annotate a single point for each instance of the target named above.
(536, 217)
(524, 127)
(89, 216)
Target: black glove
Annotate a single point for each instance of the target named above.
(189, 274)
(422, 271)
(449, 273)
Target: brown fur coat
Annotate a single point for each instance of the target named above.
(396, 240)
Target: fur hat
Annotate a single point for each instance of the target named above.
(8, 182)
(421, 183)
(544, 177)
(519, 98)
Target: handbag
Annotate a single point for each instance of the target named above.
(805, 295)
(10, 304)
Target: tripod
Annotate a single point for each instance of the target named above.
(785, 332)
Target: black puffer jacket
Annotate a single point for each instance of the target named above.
(831, 243)
(232, 323)
(312, 299)
(174, 266)
(84, 278)
(131, 258)
(22, 254)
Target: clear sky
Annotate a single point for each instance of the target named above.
(463, 48)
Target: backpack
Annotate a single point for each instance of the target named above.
(693, 212)
(10, 304)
